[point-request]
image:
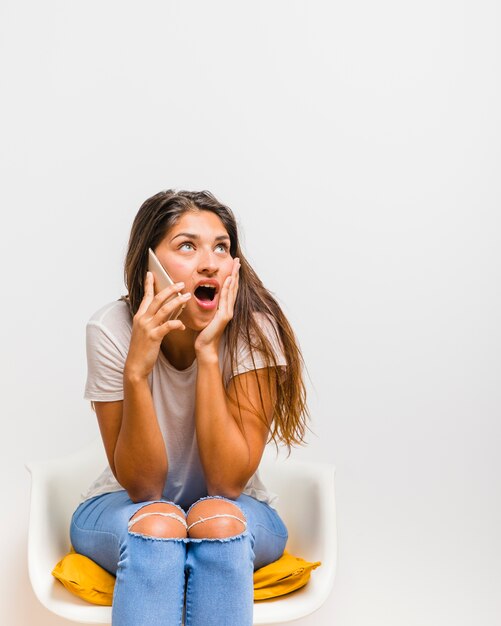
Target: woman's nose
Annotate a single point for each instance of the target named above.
(208, 263)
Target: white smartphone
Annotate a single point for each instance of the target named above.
(162, 280)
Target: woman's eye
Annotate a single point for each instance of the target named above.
(224, 246)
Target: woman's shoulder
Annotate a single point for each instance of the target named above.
(268, 325)
(112, 321)
(115, 312)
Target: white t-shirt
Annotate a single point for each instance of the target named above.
(173, 391)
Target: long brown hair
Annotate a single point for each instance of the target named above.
(154, 219)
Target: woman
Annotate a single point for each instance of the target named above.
(185, 407)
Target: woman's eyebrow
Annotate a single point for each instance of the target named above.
(194, 236)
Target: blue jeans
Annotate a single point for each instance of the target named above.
(153, 572)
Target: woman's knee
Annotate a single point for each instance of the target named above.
(215, 518)
(159, 519)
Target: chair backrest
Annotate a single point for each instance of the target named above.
(304, 490)
(56, 486)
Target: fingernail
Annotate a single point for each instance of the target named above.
(181, 284)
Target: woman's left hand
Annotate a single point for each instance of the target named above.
(208, 338)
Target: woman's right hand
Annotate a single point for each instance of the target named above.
(150, 324)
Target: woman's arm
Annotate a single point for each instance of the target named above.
(133, 441)
(140, 456)
(131, 434)
(230, 453)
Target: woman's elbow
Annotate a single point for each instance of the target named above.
(226, 491)
(142, 492)
(137, 495)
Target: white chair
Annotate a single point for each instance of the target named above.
(306, 504)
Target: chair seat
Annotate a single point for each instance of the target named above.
(306, 504)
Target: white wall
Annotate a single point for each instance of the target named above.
(358, 144)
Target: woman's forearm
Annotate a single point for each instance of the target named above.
(223, 449)
(141, 462)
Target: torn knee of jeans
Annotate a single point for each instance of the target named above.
(207, 509)
(205, 519)
(175, 516)
(215, 497)
(152, 535)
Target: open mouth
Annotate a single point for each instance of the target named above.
(205, 293)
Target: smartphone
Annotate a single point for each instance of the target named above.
(162, 280)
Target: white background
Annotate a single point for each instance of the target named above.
(358, 144)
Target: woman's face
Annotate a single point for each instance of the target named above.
(197, 251)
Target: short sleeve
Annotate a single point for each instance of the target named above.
(105, 365)
(244, 361)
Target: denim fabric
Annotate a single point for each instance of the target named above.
(158, 580)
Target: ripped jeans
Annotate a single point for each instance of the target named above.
(163, 580)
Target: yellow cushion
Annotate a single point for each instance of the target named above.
(282, 576)
(87, 580)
